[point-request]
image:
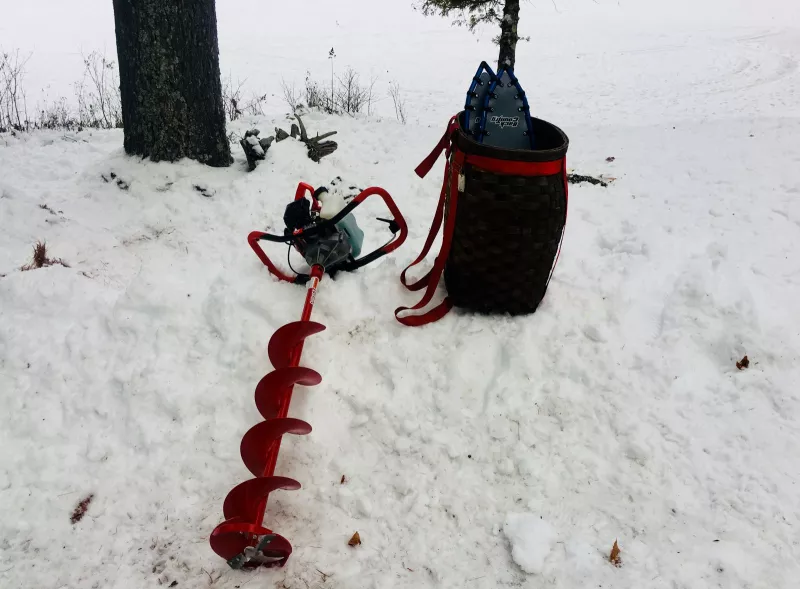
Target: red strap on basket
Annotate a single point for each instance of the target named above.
(435, 226)
(422, 171)
(431, 280)
(444, 145)
(490, 164)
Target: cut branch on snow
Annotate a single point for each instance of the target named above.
(255, 149)
(303, 132)
(579, 178)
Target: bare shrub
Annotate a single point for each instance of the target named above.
(255, 106)
(399, 102)
(231, 97)
(348, 95)
(371, 95)
(56, 115)
(291, 95)
(234, 103)
(317, 96)
(13, 101)
(99, 102)
(351, 97)
(97, 94)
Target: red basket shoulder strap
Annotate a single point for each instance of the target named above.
(444, 144)
(447, 198)
(422, 170)
(434, 231)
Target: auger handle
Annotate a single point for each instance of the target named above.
(400, 234)
(253, 240)
(396, 214)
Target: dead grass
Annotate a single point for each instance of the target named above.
(40, 259)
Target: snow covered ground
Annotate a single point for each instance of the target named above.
(478, 452)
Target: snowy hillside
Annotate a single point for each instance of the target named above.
(477, 452)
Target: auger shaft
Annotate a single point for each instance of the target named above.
(294, 360)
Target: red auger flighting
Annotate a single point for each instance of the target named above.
(321, 226)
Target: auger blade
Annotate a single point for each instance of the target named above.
(243, 500)
(233, 540)
(258, 440)
(271, 389)
(287, 337)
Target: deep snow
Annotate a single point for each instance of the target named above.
(478, 452)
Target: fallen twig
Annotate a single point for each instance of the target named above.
(578, 178)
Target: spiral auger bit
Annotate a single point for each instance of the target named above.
(323, 229)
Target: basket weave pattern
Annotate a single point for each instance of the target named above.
(507, 233)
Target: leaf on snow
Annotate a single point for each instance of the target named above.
(743, 363)
(614, 557)
(355, 540)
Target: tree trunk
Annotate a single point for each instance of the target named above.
(170, 80)
(508, 34)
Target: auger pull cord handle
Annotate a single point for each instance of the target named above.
(397, 225)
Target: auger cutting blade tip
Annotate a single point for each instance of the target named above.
(247, 546)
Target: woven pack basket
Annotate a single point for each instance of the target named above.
(504, 213)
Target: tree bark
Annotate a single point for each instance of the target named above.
(508, 34)
(170, 80)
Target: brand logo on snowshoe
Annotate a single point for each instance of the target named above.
(504, 122)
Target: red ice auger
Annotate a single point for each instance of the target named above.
(330, 241)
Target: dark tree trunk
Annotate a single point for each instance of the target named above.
(170, 80)
(508, 34)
